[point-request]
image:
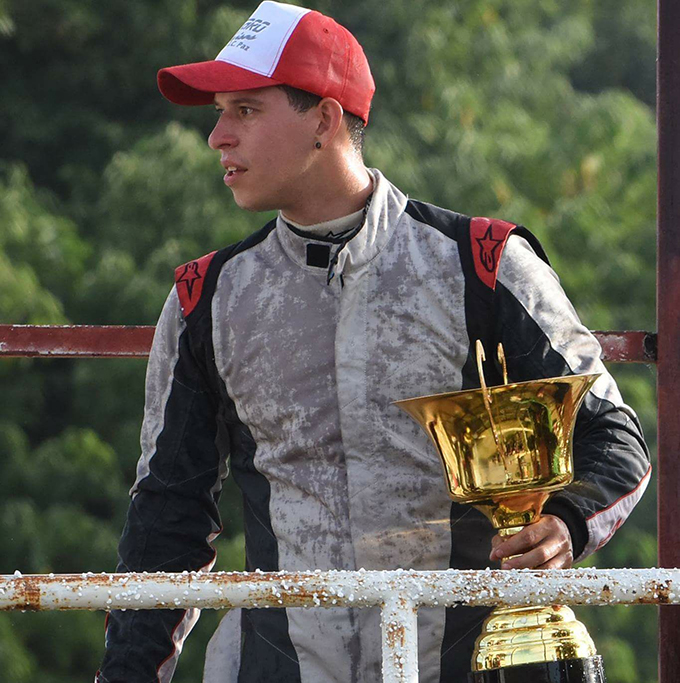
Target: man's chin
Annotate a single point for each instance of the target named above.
(254, 204)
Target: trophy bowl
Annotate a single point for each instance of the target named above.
(504, 448)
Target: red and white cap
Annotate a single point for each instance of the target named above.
(280, 45)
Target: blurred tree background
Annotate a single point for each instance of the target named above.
(536, 111)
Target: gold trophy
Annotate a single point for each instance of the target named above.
(504, 450)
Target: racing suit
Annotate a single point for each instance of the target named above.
(279, 358)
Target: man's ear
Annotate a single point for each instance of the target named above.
(330, 113)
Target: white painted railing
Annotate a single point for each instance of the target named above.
(398, 593)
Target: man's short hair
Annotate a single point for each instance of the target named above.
(303, 101)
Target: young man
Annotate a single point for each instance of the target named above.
(282, 355)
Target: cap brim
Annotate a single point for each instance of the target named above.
(197, 83)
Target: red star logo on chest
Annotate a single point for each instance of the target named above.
(488, 246)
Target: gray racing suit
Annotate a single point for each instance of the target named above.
(279, 358)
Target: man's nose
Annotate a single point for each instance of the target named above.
(222, 136)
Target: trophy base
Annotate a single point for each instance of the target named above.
(586, 670)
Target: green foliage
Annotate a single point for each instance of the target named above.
(535, 111)
(41, 255)
(17, 663)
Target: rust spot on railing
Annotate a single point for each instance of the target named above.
(29, 592)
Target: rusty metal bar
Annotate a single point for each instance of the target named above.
(399, 624)
(398, 593)
(76, 341)
(221, 590)
(668, 294)
(117, 341)
(627, 346)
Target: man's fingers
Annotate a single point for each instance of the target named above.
(522, 542)
(535, 558)
(543, 545)
(496, 541)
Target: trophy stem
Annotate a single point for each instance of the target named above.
(511, 513)
(510, 531)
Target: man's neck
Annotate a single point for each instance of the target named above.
(335, 228)
(335, 195)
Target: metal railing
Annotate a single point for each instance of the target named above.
(134, 341)
(398, 594)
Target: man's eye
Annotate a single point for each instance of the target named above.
(246, 111)
(219, 112)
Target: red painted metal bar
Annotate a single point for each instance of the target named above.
(76, 341)
(668, 295)
(91, 341)
(627, 346)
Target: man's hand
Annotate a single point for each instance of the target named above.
(546, 544)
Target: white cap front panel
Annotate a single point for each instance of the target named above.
(258, 44)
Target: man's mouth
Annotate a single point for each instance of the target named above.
(233, 172)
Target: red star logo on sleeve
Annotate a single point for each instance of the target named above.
(193, 276)
(488, 248)
(189, 276)
(487, 240)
